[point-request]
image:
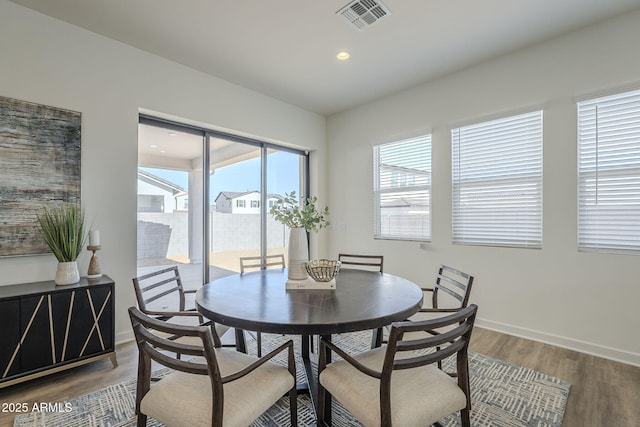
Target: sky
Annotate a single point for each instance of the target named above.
(282, 175)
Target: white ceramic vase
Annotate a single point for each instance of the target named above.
(67, 273)
(298, 253)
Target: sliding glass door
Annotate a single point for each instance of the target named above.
(204, 198)
(285, 175)
(170, 201)
(245, 180)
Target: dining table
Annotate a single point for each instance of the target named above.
(260, 301)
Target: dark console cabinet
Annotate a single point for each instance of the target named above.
(46, 328)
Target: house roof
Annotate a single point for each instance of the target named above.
(230, 195)
(152, 179)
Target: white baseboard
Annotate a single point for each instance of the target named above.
(124, 336)
(563, 342)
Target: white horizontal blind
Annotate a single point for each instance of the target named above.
(402, 189)
(497, 182)
(609, 174)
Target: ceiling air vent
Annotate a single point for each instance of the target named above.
(362, 14)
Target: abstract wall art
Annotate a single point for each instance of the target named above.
(39, 165)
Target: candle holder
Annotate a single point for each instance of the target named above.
(94, 267)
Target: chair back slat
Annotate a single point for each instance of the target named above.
(257, 262)
(161, 290)
(441, 339)
(178, 364)
(153, 343)
(161, 283)
(433, 339)
(159, 295)
(427, 359)
(375, 261)
(455, 284)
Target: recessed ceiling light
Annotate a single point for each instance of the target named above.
(153, 146)
(343, 55)
(172, 134)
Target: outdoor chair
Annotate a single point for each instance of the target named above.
(397, 384)
(213, 386)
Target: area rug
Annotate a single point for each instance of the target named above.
(503, 395)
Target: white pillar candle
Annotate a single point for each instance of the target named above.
(94, 238)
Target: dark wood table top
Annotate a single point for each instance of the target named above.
(259, 301)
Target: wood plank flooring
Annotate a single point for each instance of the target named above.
(603, 393)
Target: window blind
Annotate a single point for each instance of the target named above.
(497, 182)
(609, 174)
(402, 189)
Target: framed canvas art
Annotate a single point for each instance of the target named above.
(39, 165)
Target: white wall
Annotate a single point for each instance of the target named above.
(585, 301)
(50, 62)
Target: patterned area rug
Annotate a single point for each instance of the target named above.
(503, 395)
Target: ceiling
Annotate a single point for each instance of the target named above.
(286, 48)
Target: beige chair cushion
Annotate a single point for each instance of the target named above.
(419, 396)
(244, 399)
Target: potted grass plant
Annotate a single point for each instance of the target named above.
(63, 228)
(301, 218)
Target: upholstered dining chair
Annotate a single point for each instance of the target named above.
(258, 263)
(160, 294)
(212, 386)
(397, 384)
(450, 293)
(370, 263)
(366, 262)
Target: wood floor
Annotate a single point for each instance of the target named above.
(603, 393)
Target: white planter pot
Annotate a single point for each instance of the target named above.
(67, 273)
(298, 254)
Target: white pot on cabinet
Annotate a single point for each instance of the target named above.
(67, 273)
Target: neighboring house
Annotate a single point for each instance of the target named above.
(247, 202)
(159, 195)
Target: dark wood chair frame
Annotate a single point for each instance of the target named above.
(447, 281)
(261, 263)
(457, 289)
(142, 288)
(366, 261)
(445, 344)
(152, 347)
(363, 260)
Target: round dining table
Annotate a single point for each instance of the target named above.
(260, 301)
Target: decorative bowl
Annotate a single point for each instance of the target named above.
(323, 270)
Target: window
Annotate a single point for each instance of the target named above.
(241, 203)
(609, 174)
(497, 182)
(402, 189)
(255, 203)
